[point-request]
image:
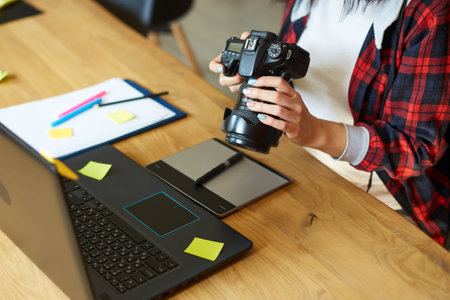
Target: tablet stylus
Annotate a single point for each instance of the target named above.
(220, 168)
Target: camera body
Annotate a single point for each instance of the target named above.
(260, 54)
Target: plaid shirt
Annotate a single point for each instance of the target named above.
(409, 136)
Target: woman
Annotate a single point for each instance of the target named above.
(379, 109)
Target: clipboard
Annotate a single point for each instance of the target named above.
(31, 121)
(238, 186)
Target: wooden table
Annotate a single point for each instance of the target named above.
(356, 247)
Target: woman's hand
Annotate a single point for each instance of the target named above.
(294, 118)
(232, 82)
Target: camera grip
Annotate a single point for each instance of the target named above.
(231, 69)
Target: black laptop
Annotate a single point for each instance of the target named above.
(123, 237)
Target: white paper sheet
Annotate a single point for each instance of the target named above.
(31, 121)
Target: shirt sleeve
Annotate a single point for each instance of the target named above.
(358, 138)
(410, 134)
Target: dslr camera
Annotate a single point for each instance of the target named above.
(260, 54)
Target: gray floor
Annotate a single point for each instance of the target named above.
(210, 22)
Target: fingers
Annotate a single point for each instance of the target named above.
(231, 81)
(283, 95)
(244, 35)
(276, 82)
(215, 65)
(283, 112)
(284, 102)
(235, 88)
(275, 123)
(265, 95)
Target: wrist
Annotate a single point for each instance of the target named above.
(330, 137)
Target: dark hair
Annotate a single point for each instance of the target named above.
(349, 5)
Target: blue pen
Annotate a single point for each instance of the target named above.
(75, 112)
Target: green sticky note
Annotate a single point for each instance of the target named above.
(204, 248)
(95, 170)
(121, 116)
(3, 74)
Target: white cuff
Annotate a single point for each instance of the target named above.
(358, 138)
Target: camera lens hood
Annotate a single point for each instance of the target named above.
(244, 133)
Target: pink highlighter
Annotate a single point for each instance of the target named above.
(95, 97)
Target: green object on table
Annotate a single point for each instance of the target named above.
(95, 170)
(3, 74)
(3, 3)
(204, 248)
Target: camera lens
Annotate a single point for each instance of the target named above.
(243, 128)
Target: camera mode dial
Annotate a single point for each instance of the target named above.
(274, 50)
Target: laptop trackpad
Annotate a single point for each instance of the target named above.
(161, 214)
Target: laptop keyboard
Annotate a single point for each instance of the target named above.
(119, 253)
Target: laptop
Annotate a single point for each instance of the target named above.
(123, 237)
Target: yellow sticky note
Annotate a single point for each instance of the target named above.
(3, 3)
(121, 116)
(204, 248)
(95, 170)
(61, 168)
(59, 133)
(3, 74)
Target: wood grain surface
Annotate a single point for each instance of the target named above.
(319, 237)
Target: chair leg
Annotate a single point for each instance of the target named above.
(184, 46)
(153, 37)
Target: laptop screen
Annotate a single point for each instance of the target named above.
(35, 216)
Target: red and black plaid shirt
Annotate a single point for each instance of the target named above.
(409, 136)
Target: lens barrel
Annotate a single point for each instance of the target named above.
(243, 128)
